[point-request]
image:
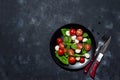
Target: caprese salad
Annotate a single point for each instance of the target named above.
(73, 46)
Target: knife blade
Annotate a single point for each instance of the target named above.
(103, 49)
(99, 58)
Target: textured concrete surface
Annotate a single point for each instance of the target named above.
(26, 27)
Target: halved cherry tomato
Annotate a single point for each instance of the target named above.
(79, 38)
(82, 60)
(59, 40)
(70, 52)
(79, 46)
(72, 60)
(72, 32)
(61, 52)
(79, 32)
(87, 47)
(61, 45)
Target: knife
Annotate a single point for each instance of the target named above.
(99, 58)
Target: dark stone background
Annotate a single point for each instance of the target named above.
(26, 27)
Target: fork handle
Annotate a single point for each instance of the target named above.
(95, 66)
(86, 69)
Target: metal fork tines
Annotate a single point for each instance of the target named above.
(105, 37)
(101, 42)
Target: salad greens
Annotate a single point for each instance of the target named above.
(64, 31)
(85, 35)
(63, 59)
(74, 46)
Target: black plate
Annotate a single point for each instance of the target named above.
(58, 34)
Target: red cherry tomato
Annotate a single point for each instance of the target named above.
(87, 47)
(79, 38)
(61, 45)
(59, 40)
(71, 60)
(70, 52)
(79, 32)
(72, 32)
(61, 52)
(82, 60)
(79, 46)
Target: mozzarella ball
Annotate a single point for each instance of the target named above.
(73, 37)
(77, 50)
(77, 58)
(68, 33)
(56, 47)
(84, 39)
(76, 41)
(87, 55)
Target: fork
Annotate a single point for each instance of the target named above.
(100, 44)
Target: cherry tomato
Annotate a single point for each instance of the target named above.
(79, 38)
(79, 46)
(70, 52)
(61, 52)
(82, 60)
(59, 40)
(72, 32)
(71, 60)
(79, 32)
(61, 45)
(87, 47)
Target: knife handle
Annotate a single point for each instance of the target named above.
(95, 66)
(86, 69)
